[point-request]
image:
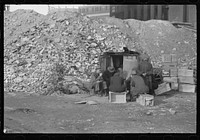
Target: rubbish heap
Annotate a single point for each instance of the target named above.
(58, 51)
(69, 40)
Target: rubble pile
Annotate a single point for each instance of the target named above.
(70, 40)
(45, 52)
(17, 22)
(157, 37)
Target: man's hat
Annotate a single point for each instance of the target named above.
(111, 69)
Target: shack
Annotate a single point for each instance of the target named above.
(125, 60)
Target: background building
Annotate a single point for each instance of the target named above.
(95, 10)
(180, 13)
(54, 9)
(6, 7)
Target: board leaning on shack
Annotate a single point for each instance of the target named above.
(137, 81)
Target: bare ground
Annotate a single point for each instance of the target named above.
(59, 114)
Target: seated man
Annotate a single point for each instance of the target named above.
(137, 85)
(117, 83)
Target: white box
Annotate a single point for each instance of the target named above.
(187, 88)
(117, 97)
(145, 100)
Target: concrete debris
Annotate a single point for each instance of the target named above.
(42, 52)
(81, 102)
(172, 111)
(92, 103)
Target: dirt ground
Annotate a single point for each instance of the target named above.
(173, 112)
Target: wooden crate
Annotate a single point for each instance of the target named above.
(174, 58)
(162, 88)
(173, 72)
(145, 100)
(168, 66)
(185, 72)
(174, 86)
(186, 79)
(117, 97)
(170, 79)
(166, 58)
(187, 88)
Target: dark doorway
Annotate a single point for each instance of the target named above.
(117, 61)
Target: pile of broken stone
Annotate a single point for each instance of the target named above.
(59, 51)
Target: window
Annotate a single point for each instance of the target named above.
(96, 8)
(113, 9)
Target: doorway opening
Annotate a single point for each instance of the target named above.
(117, 61)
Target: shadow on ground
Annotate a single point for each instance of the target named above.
(159, 99)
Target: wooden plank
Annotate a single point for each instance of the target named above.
(182, 23)
(186, 79)
(185, 72)
(187, 88)
(164, 87)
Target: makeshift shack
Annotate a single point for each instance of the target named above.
(124, 60)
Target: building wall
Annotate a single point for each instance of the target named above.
(175, 13)
(54, 9)
(183, 13)
(192, 15)
(180, 13)
(95, 10)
